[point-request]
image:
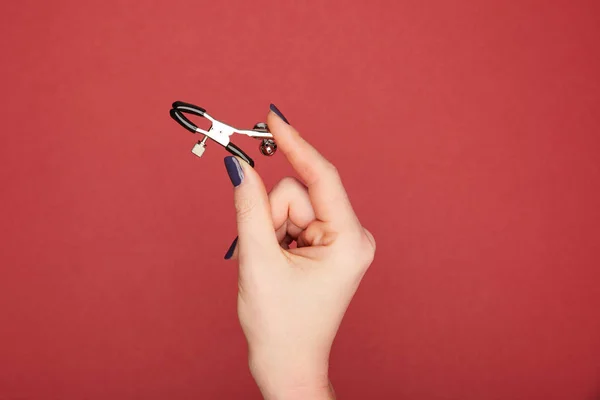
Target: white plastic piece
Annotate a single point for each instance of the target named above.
(199, 149)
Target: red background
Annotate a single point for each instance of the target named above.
(467, 134)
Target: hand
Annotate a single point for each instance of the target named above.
(291, 301)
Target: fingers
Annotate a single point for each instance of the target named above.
(287, 233)
(325, 188)
(316, 234)
(291, 212)
(291, 209)
(261, 217)
(253, 214)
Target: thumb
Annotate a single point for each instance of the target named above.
(253, 212)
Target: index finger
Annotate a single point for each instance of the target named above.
(326, 191)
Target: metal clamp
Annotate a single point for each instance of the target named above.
(221, 132)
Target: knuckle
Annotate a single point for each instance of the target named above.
(322, 170)
(368, 254)
(244, 207)
(330, 169)
(358, 250)
(308, 172)
(371, 239)
(290, 183)
(365, 250)
(286, 184)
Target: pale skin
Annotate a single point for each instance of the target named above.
(291, 301)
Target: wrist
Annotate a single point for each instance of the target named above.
(296, 378)
(319, 392)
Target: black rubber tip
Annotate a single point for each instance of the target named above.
(236, 151)
(182, 120)
(188, 107)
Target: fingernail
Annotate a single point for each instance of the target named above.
(231, 249)
(234, 170)
(279, 114)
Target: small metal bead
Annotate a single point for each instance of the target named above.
(268, 147)
(261, 126)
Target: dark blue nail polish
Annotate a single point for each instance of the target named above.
(279, 114)
(231, 249)
(234, 170)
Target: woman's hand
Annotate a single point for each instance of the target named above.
(292, 301)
